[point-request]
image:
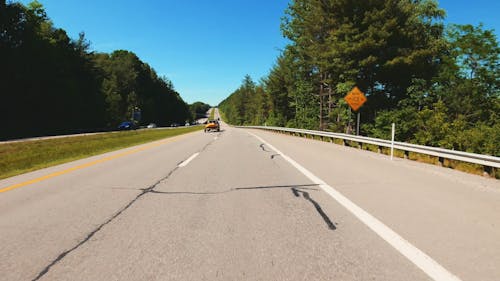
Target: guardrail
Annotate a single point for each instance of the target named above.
(489, 162)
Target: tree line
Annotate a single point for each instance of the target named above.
(52, 84)
(439, 84)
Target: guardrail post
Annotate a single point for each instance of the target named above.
(489, 171)
(407, 155)
(379, 149)
(441, 161)
(344, 143)
(360, 145)
(331, 140)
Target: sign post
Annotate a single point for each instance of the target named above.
(355, 99)
(357, 124)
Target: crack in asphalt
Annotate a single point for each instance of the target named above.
(145, 191)
(92, 233)
(274, 155)
(323, 215)
(263, 148)
(303, 186)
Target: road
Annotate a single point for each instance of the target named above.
(248, 205)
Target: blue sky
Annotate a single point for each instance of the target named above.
(206, 47)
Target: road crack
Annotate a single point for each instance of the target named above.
(329, 223)
(144, 191)
(263, 148)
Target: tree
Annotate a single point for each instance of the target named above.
(52, 84)
(198, 110)
(380, 46)
(440, 88)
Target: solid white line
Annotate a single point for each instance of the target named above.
(433, 269)
(184, 164)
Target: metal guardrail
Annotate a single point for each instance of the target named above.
(487, 161)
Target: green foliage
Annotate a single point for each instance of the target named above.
(127, 83)
(199, 110)
(247, 105)
(441, 87)
(52, 84)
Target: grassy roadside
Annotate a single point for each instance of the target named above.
(212, 114)
(222, 116)
(22, 157)
(423, 158)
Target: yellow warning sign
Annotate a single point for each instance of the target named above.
(355, 98)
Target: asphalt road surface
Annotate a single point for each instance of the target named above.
(248, 205)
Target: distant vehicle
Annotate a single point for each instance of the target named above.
(187, 124)
(127, 125)
(151, 125)
(212, 125)
(174, 125)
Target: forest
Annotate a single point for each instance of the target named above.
(52, 84)
(439, 83)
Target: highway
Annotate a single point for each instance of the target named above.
(248, 205)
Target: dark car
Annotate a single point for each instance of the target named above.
(127, 125)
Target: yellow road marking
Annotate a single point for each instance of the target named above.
(85, 165)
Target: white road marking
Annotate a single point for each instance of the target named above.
(185, 163)
(433, 269)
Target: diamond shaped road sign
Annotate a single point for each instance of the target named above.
(355, 98)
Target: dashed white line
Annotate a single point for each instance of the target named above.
(433, 269)
(185, 163)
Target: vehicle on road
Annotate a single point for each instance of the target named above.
(151, 125)
(127, 125)
(212, 125)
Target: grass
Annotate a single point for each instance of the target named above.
(212, 114)
(21, 157)
(453, 164)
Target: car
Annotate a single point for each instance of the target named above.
(126, 125)
(187, 124)
(212, 125)
(151, 125)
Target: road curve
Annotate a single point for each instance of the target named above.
(226, 206)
